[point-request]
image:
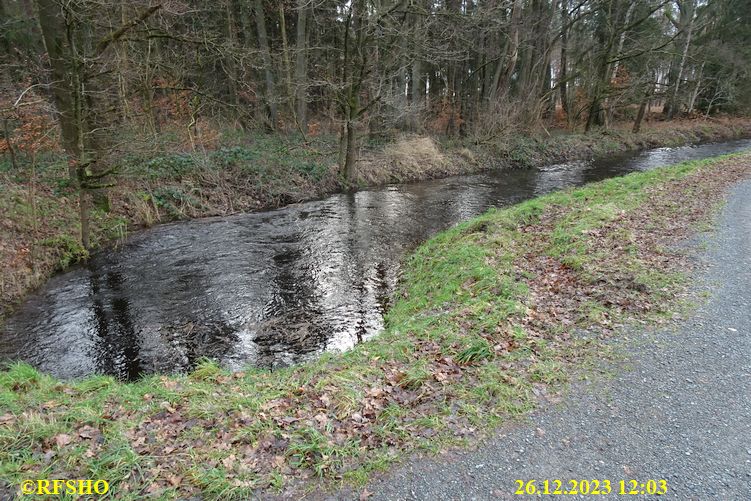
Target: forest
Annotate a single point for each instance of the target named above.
(102, 79)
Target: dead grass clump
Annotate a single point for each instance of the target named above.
(468, 155)
(413, 158)
(414, 153)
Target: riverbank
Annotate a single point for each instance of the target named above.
(671, 408)
(40, 224)
(487, 325)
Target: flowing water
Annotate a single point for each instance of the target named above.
(271, 288)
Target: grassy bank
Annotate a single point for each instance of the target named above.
(486, 326)
(39, 226)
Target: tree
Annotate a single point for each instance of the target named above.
(80, 78)
(263, 43)
(301, 63)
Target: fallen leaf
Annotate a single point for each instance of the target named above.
(229, 461)
(375, 392)
(62, 439)
(279, 461)
(321, 419)
(154, 488)
(325, 400)
(87, 431)
(170, 384)
(166, 406)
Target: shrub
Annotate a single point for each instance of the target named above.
(176, 165)
(70, 250)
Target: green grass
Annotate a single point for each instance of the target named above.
(455, 360)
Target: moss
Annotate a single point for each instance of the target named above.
(70, 250)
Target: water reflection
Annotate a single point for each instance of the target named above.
(272, 288)
(117, 344)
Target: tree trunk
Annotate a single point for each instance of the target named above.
(595, 114)
(301, 64)
(640, 115)
(563, 73)
(148, 88)
(684, 54)
(644, 105)
(263, 44)
(353, 74)
(697, 87)
(614, 69)
(82, 91)
(286, 60)
(401, 96)
(230, 59)
(505, 71)
(122, 63)
(52, 21)
(349, 170)
(4, 18)
(418, 95)
(84, 214)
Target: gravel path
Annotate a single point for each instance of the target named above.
(681, 412)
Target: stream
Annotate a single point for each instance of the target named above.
(273, 288)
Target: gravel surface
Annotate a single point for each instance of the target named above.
(681, 411)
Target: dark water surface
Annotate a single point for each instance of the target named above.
(270, 288)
